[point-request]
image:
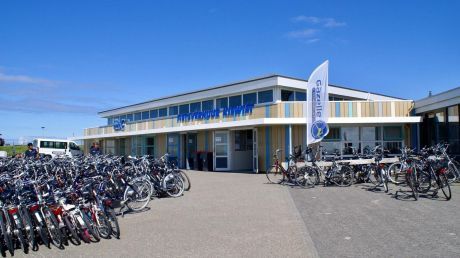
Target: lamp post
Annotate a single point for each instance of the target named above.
(43, 131)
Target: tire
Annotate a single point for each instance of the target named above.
(176, 187)
(114, 223)
(374, 176)
(7, 237)
(452, 172)
(275, 175)
(71, 229)
(104, 229)
(28, 228)
(53, 227)
(186, 179)
(91, 227)
(346, 176)
(22, 240)
(137, 199)
(307, 177)
(395, 173)
(424, 180)
(411, 182)
(40, 228)
(443, 183)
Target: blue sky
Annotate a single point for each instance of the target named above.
(63, 61)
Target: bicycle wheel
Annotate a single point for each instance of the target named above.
(114, 223)
(452, 172)
(104, 228)
(443, 183)
(411, 182)
(7, 234)
(21, 239)
(346, 176)
(374, 176)
(28, 227)
(275, 175)
(175, 186)
(424, 180)
(137, 196)
(186, 179)
(53, 227)
(395, 173)
(90, 227)
(71, 229)
(40, 228)
(306, 177)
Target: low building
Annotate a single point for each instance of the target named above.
(238, 126)
(440, 119)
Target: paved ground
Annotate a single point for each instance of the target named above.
(224, 215)
(240, 215)
(357, 222)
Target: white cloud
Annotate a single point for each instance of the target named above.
(310, 41)
(24, 79)
(325, 22)
(306, 33)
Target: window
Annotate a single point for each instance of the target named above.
(137, 116)
(243, 140)
(73, 146)
(265, 96)
(287, 95)
(129, 117)
(150, 146)
(53, 145)
(173, 110)
(391, 133)
(221, 103)
(154, 113)
(123, 117)
(109, 121)
(207, 105)
(184, 109)
(162, 112)
(250, 98)
(334, 134)
(234, 101)
(195, 107)
(145, 115)
(300, 96)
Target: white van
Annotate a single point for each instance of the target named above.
(55, 147)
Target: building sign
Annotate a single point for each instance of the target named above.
(119, 125)
(243, 110)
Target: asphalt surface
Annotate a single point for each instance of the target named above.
(360, 222)
(223, 215)
(240, 215)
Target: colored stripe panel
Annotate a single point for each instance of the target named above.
(337, 109)
(267, 147)
(350, 109)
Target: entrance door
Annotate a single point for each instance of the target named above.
(255, 151)
(191, 150)
(222, 150)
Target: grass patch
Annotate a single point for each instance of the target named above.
(11, 150)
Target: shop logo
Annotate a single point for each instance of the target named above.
(119, 125)
(319, 129)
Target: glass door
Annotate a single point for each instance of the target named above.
(222, 149)
(255, 152)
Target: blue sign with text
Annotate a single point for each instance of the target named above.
(242, 110)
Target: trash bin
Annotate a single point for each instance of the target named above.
(209, 159)
(200, 160)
